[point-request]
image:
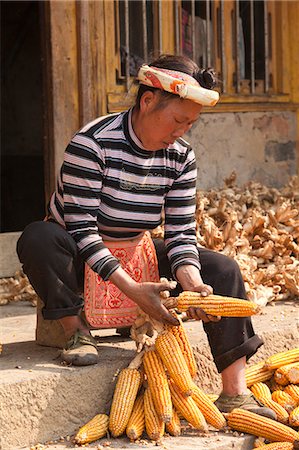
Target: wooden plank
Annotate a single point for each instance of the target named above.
(61, 54)
(86, 63)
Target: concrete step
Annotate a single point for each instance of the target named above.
(42, 400)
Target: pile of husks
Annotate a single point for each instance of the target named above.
(256, 225)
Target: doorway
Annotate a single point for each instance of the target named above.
(22, 143)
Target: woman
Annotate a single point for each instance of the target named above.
(118, 173)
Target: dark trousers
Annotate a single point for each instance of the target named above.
(55, 269)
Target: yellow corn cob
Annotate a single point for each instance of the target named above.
(136, 422)
(210, 411)
(173, 359)
(183, 340)
(281, 413)
(294, 417)
(249, 422)
(286, 374)
(153, 424)
(282, 358)
(93, 430)
(260, 390)
(284, 399)
(158, 384)
(217, 305)
(124, 396)
(257, 373)
(277, 446)
(174, 426)
(293, 391)
(188, 408)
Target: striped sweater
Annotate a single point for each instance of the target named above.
(110, 187)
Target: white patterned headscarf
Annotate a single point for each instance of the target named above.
(178, 83)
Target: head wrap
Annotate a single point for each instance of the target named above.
(178, 83)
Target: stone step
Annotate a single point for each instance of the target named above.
(42, 400)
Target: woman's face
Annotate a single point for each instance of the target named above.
(158, 125)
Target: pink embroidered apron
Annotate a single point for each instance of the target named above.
(105, 306)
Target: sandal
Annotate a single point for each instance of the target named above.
(80, 350)
(226, 404)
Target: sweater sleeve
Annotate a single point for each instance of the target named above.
(180, 225)
(81, 184)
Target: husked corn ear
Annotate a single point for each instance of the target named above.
(284, 399)
(260, 390)
(158, 384)
(293, 391)
(184, 343)
(136, 422)
(153, 424)
(217, 305)
(277, 446)
(281, 413)
(256, 373)
(249, 422)
(294, 417)
(286, 374)
(123, 400)
(210, 411)
(188, 408)
(174, 361)
(174, 426)
(93, 430)
(282, 358)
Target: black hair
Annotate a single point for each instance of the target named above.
(205, 77)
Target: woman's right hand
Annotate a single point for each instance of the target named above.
(147, 297)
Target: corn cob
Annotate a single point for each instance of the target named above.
(217, 305)
(257, 373)
(174, 426)
(188, 408)
(124, 396)
(282, 358)
(294, 417)
(183, 340)
(286, 374)
(93, 430)
(249, 422)
(158, 384)
(153, 424)
(281, 413)
(173, 359)
(260, 390)
(136, 422)
(210, 411)
(284, 399)
(293, 391)
(277, 446)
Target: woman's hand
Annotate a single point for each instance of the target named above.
(198, 313)
(190, 280)
(146, 295)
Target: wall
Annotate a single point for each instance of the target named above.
(259, 146)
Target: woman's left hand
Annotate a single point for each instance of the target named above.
(190, 279)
